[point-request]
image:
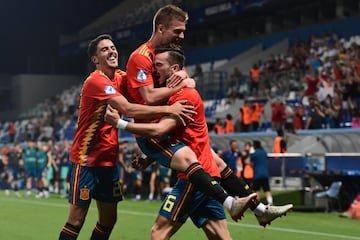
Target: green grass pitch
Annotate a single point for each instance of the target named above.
(42, 219)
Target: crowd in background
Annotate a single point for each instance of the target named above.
(41, 168)
(312, 86)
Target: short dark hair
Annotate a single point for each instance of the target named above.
(256, 144)
(167, 13)
(232, 140)
(176, 55)
(94, 43)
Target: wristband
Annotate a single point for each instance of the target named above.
(121, 124)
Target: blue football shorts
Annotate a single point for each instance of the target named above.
(184, 201)
(160, 150)
(99, 183)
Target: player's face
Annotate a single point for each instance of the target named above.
(106, 55)
(174, 32)
(162, 67)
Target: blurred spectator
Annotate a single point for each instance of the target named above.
(29, 156)
(12, 131)
(245, 116)
(326, 86)
(331, 112)
(5, 149)
(315, 120)
(42, 161)
(247, 170)
(53, 175)
(254, 79)
(261, 171)
(235, 77)
(234, 84)
(299, 112)
(218, 127)
(290, 117)
(279, 142)
(123, 164)
(12, 170)
(231, 156)
(163, 181)
(278, 115)
(311, 80)
(257, 110)
(153, 182)
(136, 176)
(229, 125)
(64, 165)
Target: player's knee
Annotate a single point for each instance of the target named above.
(158, 233)
(186, 155)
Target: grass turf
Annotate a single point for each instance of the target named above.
(42, 219)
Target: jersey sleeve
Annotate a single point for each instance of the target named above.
(139, 71)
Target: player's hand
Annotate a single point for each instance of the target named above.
(176, 78)
(189, 82)
(111, 115)
(182, 111)
(140, 163)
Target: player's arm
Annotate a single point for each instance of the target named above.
(155, 96)
(178, 110)
(151, 130)
(219, 161)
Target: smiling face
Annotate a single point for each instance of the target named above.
(106, 57)
(172, 32)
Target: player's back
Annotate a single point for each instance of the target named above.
(195, 134)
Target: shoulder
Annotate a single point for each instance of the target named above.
(186, 93)
(142, 53)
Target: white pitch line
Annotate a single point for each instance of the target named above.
(305, 232)
(288, 230)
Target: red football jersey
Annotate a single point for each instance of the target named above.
(139, 72)
(195, 134)
(96, 142)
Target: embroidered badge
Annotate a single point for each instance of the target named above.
(84, 193)
(141, 75)
(109, 90)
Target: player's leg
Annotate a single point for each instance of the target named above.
(107, 192)
(208, 214)
(174, 210)
(231, 183)
(152, 181)
(81, 184)
(217, 230)
(238, 187)
(74, 223)
(106, 222)
(163, 229)
(30, 173)
(175, 154)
